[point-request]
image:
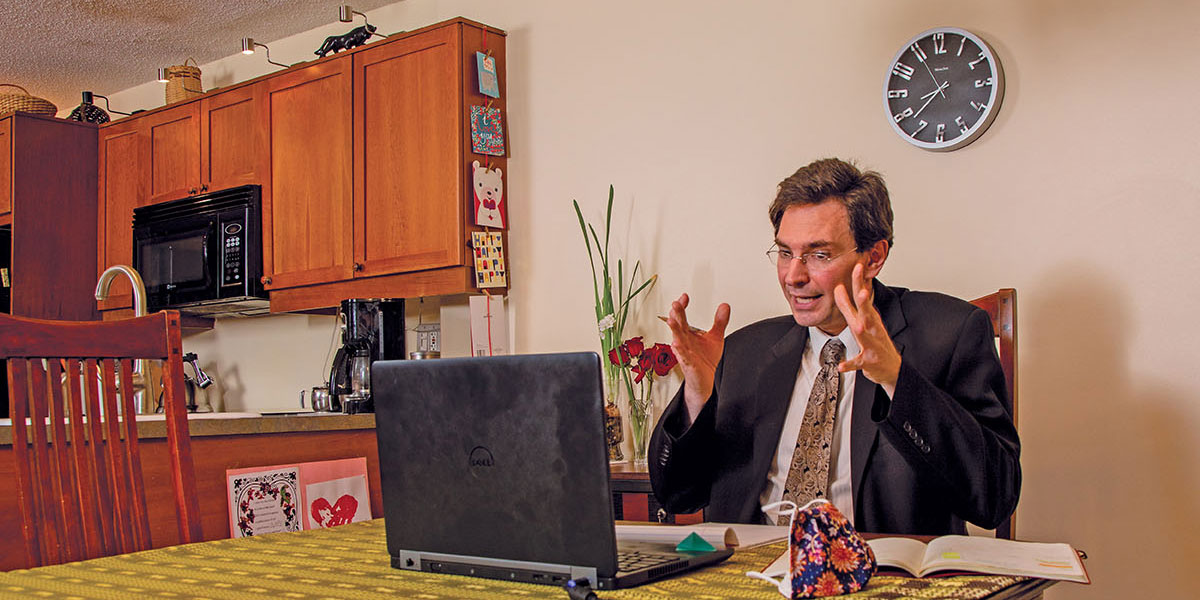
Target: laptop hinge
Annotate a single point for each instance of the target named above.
(492, 568)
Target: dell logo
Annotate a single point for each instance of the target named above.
(481, 457)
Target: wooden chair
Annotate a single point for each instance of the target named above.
(1002, 307)
(79, 472)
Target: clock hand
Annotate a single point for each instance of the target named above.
(935, 81)
(931, 96)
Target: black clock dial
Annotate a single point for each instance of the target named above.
(943, 89)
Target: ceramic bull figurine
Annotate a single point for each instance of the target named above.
(351, 39)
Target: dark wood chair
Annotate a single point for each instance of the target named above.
(1002, 307)
(79, 472)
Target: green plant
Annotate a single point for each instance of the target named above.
(612, 311)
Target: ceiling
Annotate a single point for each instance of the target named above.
(57, 48)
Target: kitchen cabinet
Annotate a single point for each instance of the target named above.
(5, 166)
(364, 158)
(124, 184)
(202, 145)
(406, 121)
(233, 138)
(412, 188)
(307, 229)
(51, 182)
(173, 137)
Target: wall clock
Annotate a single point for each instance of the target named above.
(943, 89)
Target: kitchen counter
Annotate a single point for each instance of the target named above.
(239, 423)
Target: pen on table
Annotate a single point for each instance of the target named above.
(690, 328)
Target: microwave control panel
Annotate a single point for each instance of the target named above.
(232, 253)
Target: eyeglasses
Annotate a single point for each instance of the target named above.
(817, 260)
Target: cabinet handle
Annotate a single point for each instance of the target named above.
(266, 280)
(192, 192)
(358, 266)
(204, 188)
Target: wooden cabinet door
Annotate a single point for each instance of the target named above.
(174, 137)
(124, 183)
(408, 206)
(233, 138)
(307, 231)
(6, 165)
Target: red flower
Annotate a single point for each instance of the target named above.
(664, 359)
(634, 346)
(622, 359)
(645, 364)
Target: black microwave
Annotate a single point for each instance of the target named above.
(202, 254)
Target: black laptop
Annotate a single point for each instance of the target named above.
(497, 467)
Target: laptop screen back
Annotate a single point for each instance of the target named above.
(498, 457)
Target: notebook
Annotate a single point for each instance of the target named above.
(497, 467)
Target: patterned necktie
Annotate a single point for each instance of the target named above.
(808, 477)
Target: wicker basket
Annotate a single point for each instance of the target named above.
(183, 82)
(25, 102)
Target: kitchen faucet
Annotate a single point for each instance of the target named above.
(140, 382)
(139, 288)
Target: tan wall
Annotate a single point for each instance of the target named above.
(1083, 196)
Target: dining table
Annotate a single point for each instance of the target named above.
(351, 562)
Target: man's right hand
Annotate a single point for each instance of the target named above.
(698, 353)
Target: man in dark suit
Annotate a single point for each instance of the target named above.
(914, 438)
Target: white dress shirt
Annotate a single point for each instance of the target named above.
(841, 493)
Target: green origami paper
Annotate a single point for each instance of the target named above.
(694, 543)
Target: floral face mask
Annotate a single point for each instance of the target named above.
(826, 555)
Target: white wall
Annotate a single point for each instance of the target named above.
(1083, 196)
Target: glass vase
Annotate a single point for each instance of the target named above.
(640, 426)
(614, 433)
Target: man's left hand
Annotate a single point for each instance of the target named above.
(877, 358)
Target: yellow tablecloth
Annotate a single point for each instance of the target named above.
(351, 562)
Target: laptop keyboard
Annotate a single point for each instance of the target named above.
(636, 560)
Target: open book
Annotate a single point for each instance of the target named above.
(720, 535)
(967, 554)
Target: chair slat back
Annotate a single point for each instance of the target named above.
(79, 466)
(1001, 306)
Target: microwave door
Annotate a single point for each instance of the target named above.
(176, 268)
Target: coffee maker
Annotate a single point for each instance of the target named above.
(372, 329)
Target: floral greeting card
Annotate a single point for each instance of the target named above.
(487, 131)
(264, 502)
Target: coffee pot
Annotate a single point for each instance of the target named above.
(372, 329)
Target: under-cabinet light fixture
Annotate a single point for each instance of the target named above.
(248, 45)
(346, 15)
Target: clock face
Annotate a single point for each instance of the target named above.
(943, 89)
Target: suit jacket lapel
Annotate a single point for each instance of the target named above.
(775, 385)
(863, 431)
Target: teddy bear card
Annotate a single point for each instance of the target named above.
(489, 196)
